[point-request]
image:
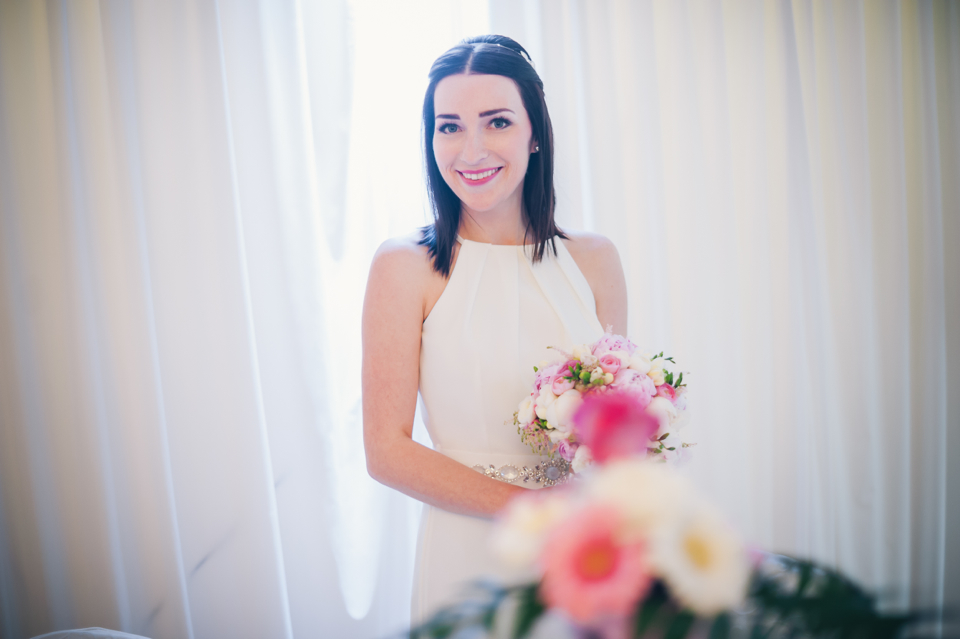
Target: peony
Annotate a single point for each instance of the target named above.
(610, 342)
(702, 561)
(614, 425)
(525, 414)
(587, 572)
(560, 413)
(544, 400)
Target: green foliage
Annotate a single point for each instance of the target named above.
(788, 597)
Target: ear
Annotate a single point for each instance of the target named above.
(534, 146)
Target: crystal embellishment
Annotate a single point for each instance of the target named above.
(548, 472)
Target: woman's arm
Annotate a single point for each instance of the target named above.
(599, 262)
(401, 285)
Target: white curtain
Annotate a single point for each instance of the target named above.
(190, 194)
(783, 183)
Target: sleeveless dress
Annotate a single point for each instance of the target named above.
(493, 322)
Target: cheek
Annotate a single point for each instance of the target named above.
(444, 152)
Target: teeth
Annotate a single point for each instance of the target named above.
(480, 176)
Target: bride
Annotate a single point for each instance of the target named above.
(463, 309)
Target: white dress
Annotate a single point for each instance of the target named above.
(494, 321)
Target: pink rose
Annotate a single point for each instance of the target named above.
(567, 449)
(667, 391)
(545, 376)
(614, 425)
(560, 384)
(610, 363)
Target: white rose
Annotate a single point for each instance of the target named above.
(582, 350)
(596, 374)
(560, 413)
(664, 410)
(544, 401)
(556, 435)
(656, 374)
(639, 363)
(581, 459)
(525, 414)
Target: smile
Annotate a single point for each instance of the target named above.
(479, 177)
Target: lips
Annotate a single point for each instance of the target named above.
(476, 178)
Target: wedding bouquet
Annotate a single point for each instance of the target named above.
(613, 364)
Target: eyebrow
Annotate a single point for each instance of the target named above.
(454, 116)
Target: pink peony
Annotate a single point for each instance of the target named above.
(587, 573)
(560, 384)
(614, 425)
(610, 363)
(611, 342)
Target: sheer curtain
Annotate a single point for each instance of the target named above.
(190, 194)
(781, 180)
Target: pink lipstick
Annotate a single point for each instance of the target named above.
(471, 182)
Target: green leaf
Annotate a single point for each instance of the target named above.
(680, 380)
(647, 614)
(536, 370)
(668, 378)
(528, 611)
(681, 626)
(721, 627)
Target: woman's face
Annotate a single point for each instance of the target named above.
(482, 140)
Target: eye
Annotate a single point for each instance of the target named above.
(500, 123)
(449, 127)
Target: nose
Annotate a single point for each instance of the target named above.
(474, 147)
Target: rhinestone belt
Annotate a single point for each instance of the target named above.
(549, 472)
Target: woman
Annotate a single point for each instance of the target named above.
(466, 307)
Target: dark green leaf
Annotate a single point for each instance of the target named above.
(681, 626)
(680, 380)
(648, 612)
(721, 627)
(528, 611)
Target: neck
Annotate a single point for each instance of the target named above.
(503, 225)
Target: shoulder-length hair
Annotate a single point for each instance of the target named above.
(493, 55)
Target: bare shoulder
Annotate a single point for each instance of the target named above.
(402, 276)
(593, 252)
(403, 252)
(598, 260)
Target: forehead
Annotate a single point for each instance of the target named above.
(469, 95)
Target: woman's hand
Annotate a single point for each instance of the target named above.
(401, 291)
